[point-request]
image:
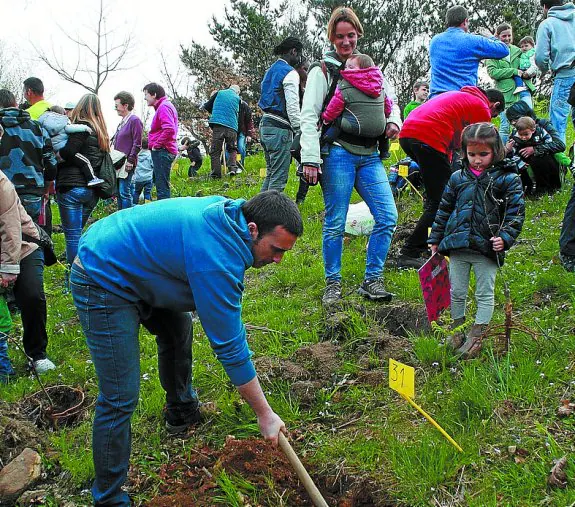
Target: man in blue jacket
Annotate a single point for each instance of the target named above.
(555, 52)
(206, 246)
(455, 54)
(280, 103)
(224, 107)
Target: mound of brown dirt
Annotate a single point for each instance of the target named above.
(403, 318)
(320, 358)
(193, 482)
(15, 434)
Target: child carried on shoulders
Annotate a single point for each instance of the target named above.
(58, 126)
(479, 218)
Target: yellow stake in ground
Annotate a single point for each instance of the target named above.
(402, 380)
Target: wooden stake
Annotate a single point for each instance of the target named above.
(310, 487)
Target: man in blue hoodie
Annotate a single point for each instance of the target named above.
(555, 51)
(455, 54)
(207, 245)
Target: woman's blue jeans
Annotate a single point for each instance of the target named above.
(342, 171)
(76, 206)
(162, 160)
(111, 325)
(125, 191)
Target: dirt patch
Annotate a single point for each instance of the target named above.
(320, 358)
(16, 434)
(273, 367)
(194, 481)
(306, 391)
(380, 346)
(403, 318)
(373, 377)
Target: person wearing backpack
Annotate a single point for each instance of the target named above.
(352, 162)
(76, 200)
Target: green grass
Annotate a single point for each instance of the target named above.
(388, 441)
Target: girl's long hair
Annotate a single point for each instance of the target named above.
(89, 110)
(485, 133)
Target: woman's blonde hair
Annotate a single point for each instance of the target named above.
(485, 133)
(89, 110)
(343, 14)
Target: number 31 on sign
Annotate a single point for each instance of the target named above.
(402, 378)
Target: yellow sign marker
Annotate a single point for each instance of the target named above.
(262, 172)
(402, 380)
(403, 170)
(394, 147)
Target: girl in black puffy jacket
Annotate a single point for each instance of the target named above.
(480, 216)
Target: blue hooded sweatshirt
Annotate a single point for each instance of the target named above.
(183, 254)
(455, 55)
(555, 49)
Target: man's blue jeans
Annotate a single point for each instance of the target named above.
(76, 206)
(558, 107)
(342, 171)
(242, 146)
(162, 160)
(504, 127)
(125, 191)
(277, 143)
(111, 325)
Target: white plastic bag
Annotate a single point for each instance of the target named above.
(359, 221)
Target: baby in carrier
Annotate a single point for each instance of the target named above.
(361, 74)
(58, 126)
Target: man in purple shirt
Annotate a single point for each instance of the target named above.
(162, 137)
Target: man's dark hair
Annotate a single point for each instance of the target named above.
(7, 99)
(272, 208)
(495, 96)
(35, 85)
(155, 89)
(126, 99)
(455, 16)
(550, 3)
(287, 44)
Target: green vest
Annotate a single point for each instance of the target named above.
(364, 117)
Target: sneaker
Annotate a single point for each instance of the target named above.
(373, 289)
(457, 338)
(332, 293)
(519, 89)
(44, 365)
(180, 426)
(94, 182)
(408, 262)
(232, 172)
(238, 170)
(568, 262)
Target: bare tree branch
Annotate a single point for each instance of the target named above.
(98, 56)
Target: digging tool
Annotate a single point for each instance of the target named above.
(301, 472)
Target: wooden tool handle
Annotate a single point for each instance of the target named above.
(304, 477)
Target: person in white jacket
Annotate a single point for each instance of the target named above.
(352, 162)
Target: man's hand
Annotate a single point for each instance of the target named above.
(270, 427)
(433, 249)
(129, 167)
(311, 174)
(498, 244)
(520, 73)
(527, 152)
(248, 139)
(509, 146)
(391, 131)
(7, 280)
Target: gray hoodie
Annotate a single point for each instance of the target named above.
(555, 49)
